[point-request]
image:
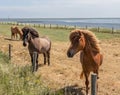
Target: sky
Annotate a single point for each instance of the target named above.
(59, 8)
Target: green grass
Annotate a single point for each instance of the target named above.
(105, 36)
(5, 30)
(55, 34)
(19, 80)
(16, 80)
(61, 34)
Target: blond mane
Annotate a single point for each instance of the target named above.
(90, 38)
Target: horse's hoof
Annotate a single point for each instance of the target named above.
(97, 77)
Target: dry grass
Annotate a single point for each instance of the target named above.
(65, 72)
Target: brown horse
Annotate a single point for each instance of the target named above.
(36, 44)
(90, 57)
(14, 31)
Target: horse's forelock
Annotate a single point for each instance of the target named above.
(32, 31)
(73, 34)
(25, 30)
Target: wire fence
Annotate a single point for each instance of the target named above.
(57, 26)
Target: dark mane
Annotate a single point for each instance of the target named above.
(31, 30)
(90, 38)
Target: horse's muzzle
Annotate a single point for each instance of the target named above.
(70, 53)
(24, 44)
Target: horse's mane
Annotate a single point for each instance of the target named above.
(31, 30)
(90, 39)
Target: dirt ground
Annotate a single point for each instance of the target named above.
(65, 72)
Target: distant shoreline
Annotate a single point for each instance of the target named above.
(61, 18)
(80, 22)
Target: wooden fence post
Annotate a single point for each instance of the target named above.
(65, 90)
(57, 26)
(39, 25)
(86, 27)
(44, 25)
(112, 30)
(34, 25)
(98, 29)
(10, 51)
(50, 26)
(75, 26)
(94, 84)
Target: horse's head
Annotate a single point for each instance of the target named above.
(28, 33)
(77, 42)
(25, 35)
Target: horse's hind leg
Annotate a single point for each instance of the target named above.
(16, 36)
(48, 57)
(44, 58)
(37, 61)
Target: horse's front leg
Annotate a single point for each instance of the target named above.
(16, 36)
(86, 82)
(31, 55)
(44, 55)
(13, 36)
(48, 57)
(21, 37)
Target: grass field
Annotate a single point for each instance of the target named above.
(17, 79)
(57, 34)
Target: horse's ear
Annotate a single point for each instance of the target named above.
(80, 34)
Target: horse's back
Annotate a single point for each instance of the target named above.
(42, 44)
(14, 28)
(45, 42)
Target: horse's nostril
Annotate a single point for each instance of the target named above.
(69, 54)
(24, 44)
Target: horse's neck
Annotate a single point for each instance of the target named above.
(89, 50)
(33, 42)
(20, 32)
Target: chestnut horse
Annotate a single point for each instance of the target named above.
(90, 56)
(14, 31)
(36, 44)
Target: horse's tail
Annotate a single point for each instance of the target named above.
(81, 75)
(50, 45)
(48, 40)
(101, 59)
